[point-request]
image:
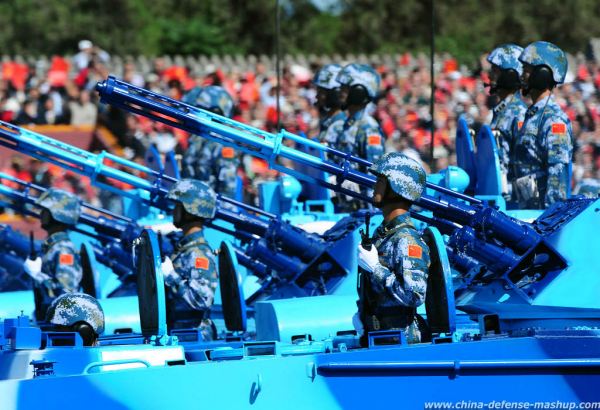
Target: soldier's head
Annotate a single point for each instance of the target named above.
(359, 84)
(77, 312)
(400, 181)
(506, 69)
(194, 201)
(328, 89)
(212, 98)
(60, 209)
(544, 66)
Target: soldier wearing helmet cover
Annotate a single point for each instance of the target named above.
(541, 158)
(77, 312)
(360, 134)
(328, 102)
(394, 271)
(508, 114)
(59, 269)
(207, 160)
(191, 274)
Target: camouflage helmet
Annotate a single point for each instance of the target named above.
(326, 76)
(360, 74)
(544, 53)
(210, 98)
(405, 175)
(196, 197)
(506, 57)
(71, 308)
(63, 206)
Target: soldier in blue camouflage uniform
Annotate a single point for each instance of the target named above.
(59, 269)
(332, 118)
(508, 114)
(541, 159)
(191, 277)
(206, 160)
(394, 272)
(77, 312)
(360, 135)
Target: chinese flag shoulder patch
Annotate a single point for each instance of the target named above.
(374, 140)
(65, 259)
(519, 124)
(559, 128)
(201, 263)
(415, 251)
(227, 152)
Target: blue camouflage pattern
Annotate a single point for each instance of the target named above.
(62, 263)
(70, 308)
(544, 53)
(210, 98)
(360, 136)
(196, 196)
(506, 57)
(544, 149)
(508, 116)
(400, 276)
(406, 176)
(206, 160)
(330, 127)
(197, 278)
(360, 74)
(326, 77)
(63, 206)
(212, 163)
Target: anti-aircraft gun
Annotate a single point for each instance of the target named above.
(304, 263)
(112, 233)
(527, 266)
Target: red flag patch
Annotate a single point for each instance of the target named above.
(415, 251)
(202, 263)
(519, 124)
(559, 128)
(65, 259)
(227, 152)
(374, 140)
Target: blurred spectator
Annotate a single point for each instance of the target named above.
(83, 111)
(87, 52)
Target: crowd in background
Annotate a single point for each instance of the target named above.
(64, 94)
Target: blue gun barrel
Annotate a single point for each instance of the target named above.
(270, 146)
(111, 234)
(494, 226)
(259, 269)
(280, 234)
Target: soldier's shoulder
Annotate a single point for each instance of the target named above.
(368, 121)
(198, 256)
(63, 246)
(557, 121)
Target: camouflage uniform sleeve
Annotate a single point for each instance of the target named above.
(197, 278)
(65, 268)
(371, 142)
(558, 148)
(405, 280)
